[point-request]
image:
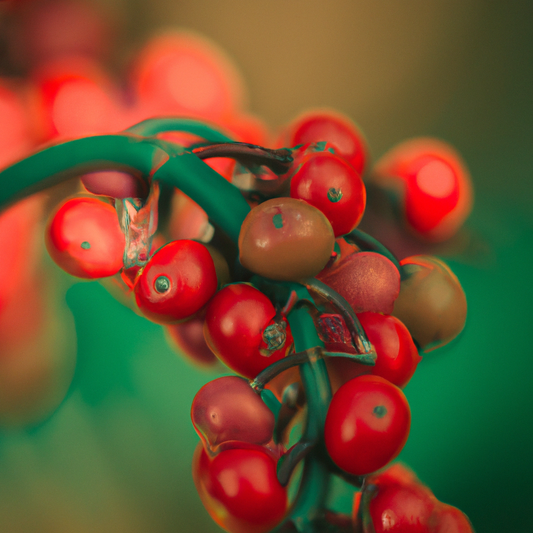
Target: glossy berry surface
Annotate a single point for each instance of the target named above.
(178, 280)
(336, 129)
(84, 238)
(241, 329)
(402, 508)
(397, 356)
(396, 501)
(437, 191)
(367, 424)
(285, 239)
(240, 489)
(227, 410)
(332, 185)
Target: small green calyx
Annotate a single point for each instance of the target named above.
(162, 284)
(86, 245)
(334, 195)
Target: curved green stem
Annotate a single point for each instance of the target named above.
(291, 459)
(216, 196)
(315, 478)
(296, 359)
(359, 336)
(153, 126)
(128, 153)
(138, 156)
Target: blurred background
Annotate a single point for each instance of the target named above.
(115, 455)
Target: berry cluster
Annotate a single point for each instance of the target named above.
(253, 257)
(286, 292)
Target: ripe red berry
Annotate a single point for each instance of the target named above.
(367, 280)
(402, 508)
(242, 330)
(240, 489)
(367, 424)
(436, 191)
(334, 128)
(178, 280)
(396, 501)
(329, 183)
(84, 238)
(397, 356)
(227, 410)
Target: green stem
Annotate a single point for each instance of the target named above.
(359, 337)
(153, 126)
(315, 478)
(137, 156)
(299, 358)
(216, 196)
(127, 153)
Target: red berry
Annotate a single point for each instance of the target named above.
(367, 424)
(395, 501)
(114, 184)
(227, 410)
(73, 97)
(437, 191)
(334, 128)
(449, 519)
(367, 280)
(178, 280)
(184, 74)
(397, 356)
(399, 508)
(84, 238)
(241, 329)
(329, 183)
(240, 489)
(188, 339)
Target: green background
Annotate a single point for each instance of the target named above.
(115, 456)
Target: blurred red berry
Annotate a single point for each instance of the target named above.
(432, 184)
